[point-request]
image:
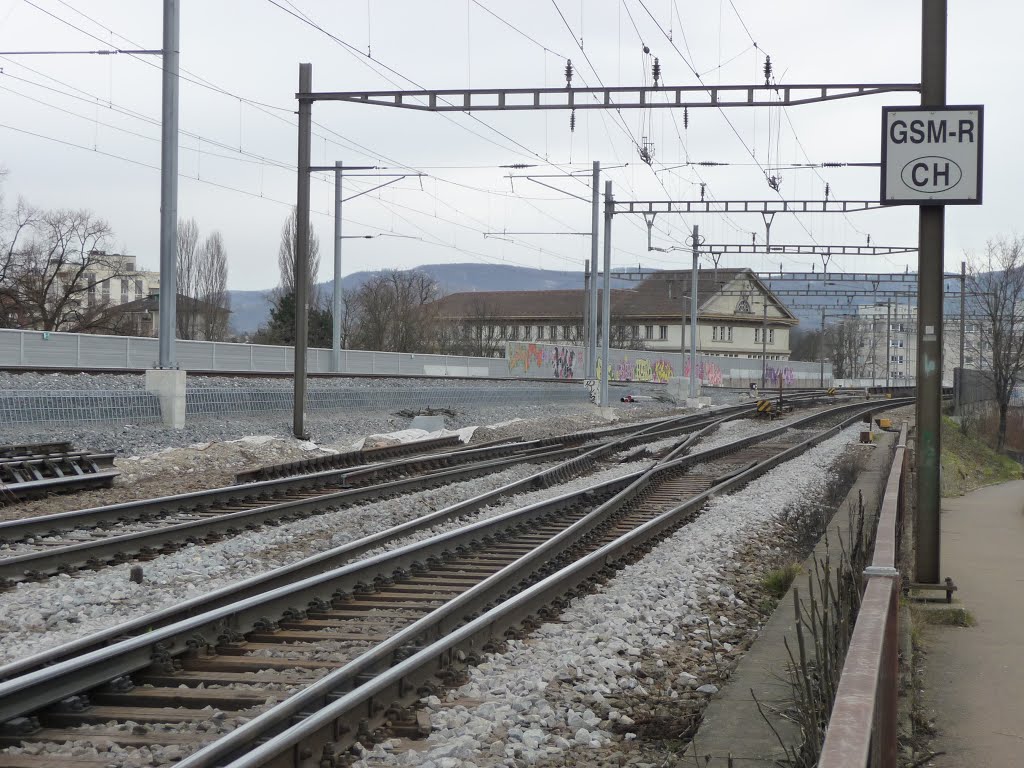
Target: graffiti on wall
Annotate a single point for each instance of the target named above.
(773, 376)
(563, 361)
(707, 372)
(521, 355)
(644, 369)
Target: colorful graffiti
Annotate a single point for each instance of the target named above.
(773, 376)
(562, 361)
(707, 372)
(522, 354)
(638, 369)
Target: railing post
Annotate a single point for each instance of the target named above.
(252, 364)
(127, 351)
(78, 350)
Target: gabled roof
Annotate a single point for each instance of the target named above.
(151, 303)
(658, 296)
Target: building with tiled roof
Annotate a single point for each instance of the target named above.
(734, 309)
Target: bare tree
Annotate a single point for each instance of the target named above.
(850, 346)
(15, 227)
(395, 312)
(212, 298)
(286, 258)
(61, 276)
(995, 286)
(187, 270)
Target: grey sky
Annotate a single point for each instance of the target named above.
(252, 48)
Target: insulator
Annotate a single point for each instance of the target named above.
(656, 71)
(572, 121)
(828, 190)
(686, 118)
(568, 73)
(767, 70)
(646, 49)
(703, 186)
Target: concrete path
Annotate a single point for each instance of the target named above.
(974, 680)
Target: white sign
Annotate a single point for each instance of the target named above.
(931, 156)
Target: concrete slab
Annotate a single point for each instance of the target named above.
(974, 676)
(732, 724)
(169, 386)
(428, 423)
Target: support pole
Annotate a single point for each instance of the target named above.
(694, 277)
(336, 329)
(606, 309)
(588, 356)
(931, 234)
(768, 219)
(821, 353)
(595, 221)
(169, 187)
(958, 381)
(888, 339)
(301, 250)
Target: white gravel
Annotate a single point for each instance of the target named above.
(36, 616)
(550, 695)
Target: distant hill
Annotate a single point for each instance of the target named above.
(250, 309)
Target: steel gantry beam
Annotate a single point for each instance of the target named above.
(809, 250)
(648, 207)
(621, 97)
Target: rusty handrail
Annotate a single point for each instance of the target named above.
(862, 728)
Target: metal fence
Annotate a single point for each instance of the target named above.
(84, 350)
(221, 400)
(67, 406)
(862, 728)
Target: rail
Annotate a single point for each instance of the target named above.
(862, 728)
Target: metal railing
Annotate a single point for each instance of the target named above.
(862, 728)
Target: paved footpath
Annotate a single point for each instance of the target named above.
(974, 680)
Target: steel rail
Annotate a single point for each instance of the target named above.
(405, 677)
(309, 566)
(49, 525)
(119, 548)
(42, 686)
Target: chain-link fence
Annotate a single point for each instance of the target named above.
(218, 401)
(64, 406)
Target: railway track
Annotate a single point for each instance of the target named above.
(38, 469)
(40, 547)
(309, 663)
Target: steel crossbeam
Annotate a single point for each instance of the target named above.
(648, 207)
(619, 97)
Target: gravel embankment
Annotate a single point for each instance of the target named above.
(565, 693)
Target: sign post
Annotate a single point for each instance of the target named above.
(931, 157)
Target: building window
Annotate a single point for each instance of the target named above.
(554, 332)
(566, 332)
(730, 332)
(540, 333)
(138, 289)
(757, 335)
(662, 332)
(634, 331)
(897, 359)
(526, 332)
(513, 332)
(649, 331)
(898, 343)
(771, 335)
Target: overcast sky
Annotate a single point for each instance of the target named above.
(239, 141)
